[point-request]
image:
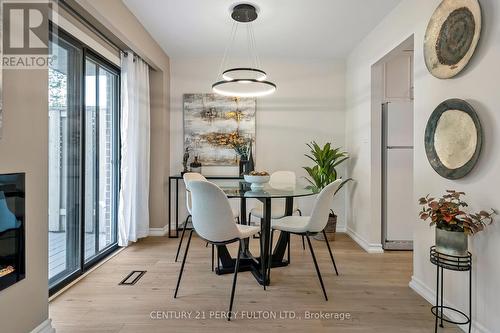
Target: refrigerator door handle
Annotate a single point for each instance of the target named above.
(399, 147)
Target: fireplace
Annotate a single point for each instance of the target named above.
(12, 219)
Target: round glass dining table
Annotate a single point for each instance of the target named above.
(259, 265)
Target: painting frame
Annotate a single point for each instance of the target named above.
(213, 124)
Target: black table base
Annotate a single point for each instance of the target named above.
(258, 265)
(247, 263)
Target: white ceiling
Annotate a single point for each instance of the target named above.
(308, 29)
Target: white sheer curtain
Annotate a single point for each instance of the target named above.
(133, 215)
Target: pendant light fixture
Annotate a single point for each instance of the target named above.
(245, 81)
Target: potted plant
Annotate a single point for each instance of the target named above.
(453, 224)
(324, 172)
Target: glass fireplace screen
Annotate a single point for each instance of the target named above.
(12, 245)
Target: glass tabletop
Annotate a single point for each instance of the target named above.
(242, 189)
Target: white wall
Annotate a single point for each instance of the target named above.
(308, 105)
(478, 84)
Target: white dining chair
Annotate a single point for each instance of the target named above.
(279, 179)
(213, 221)
(310, 225)
(187, 177)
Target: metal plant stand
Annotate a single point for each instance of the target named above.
(453, 263)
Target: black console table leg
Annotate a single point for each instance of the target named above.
(169, 208)
(176, 208)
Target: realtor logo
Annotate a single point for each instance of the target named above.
(25, 41)
(26, 28)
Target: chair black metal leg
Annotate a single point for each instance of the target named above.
(238, 220)
(236, 268)
(183, 263)
(303, 240)
(217, 256)
(212, 257)
(289, 246)
(249, 218)
(270, 256)
(317, 267)
(330, 250)
(182, 237)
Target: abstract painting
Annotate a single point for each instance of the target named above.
(451, 37)
(214, 127)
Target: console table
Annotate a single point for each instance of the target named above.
(176, 179)
(453, 263)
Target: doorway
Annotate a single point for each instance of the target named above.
(395, 100)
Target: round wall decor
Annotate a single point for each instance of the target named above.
(451, 37)
(453, 139)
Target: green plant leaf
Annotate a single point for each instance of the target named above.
(325, 160)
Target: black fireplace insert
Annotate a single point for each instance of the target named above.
(12, 238)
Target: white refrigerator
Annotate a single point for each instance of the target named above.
(398, 206)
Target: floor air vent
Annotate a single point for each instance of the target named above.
(132, 278)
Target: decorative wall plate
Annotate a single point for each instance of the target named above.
(451, 37)
(453, 139)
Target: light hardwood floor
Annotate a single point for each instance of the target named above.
(372, 289)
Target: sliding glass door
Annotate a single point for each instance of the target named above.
(83, 159)
(101, 183)
(64, 159)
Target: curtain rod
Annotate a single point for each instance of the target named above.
(90, 26)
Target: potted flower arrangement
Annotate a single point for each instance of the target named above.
(243, 148)
(326, 159)
(453, 224)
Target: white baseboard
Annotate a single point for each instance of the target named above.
(423, 290)
(430, 296)
(45, 327)
(158, 232)
(365, 245)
